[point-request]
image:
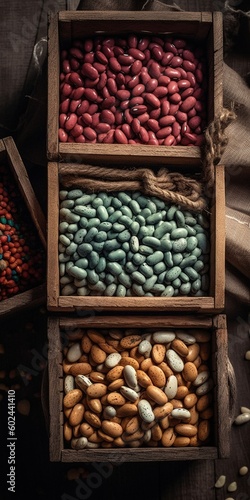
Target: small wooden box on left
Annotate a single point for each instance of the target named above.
(9, 156)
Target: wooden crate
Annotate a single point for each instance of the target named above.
(213, 302)
(10, 156)
(64, 26)
(220, 445)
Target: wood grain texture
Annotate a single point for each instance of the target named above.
(219, 240)
(53, 88)
(23, 301)
(52, 253)
(55, 402)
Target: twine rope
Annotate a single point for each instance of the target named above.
(171, 187)
(216, 141)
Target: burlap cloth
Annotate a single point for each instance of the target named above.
(27, 123)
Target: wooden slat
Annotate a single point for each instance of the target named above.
(218, 61)
(23, 301)
(21, 176)
(53, 87)
(223, 423)
(137, 321)
(206, 304)
(129, 16)
(219, 240)
(53, 231)
(55, 403)
(139, 454)
(131, 154)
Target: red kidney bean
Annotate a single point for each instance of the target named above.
(163, 132)
(88, 70)
(190, 137)
(133, 82)
(151, 85)
(105, 93)
(181, 117)
(155, 113)
(88, 44)
(99, 67)
(66, 89)
(91, 84)
(176, 129)
(125, 70)
(64, 106)
(143, 43)
(64, 54)
(163, 80)
(74, 105)
(77, 94)
(70, 121)
(194, 122)
(180, 44)
(118, 51)
(83, 107)
(111, 85)
(109, 138)
(187, 92)
(192, 113)
(102, 128)
(157, 53)
(138, 109)
(101, 57)
(95, 119)
(124, 104)
(74, 63)
(176, 62)
(136, 67)
(119, 117)
(132, 41)
(199, 75)
(90, 94)
(93, 108)
(154, 69)
(76, 130)
(123, 95)
(125, 59)
(188, 55)
(145, 77)
(188, 104)
(172, 73)
(126, 129)
(77, 53)
(169, 47)
(135, 125)
(173, 109)
(62, 119)
(160, 91)
(164, 121)
(154, 125)
(87, 119)
(184, 128)
(80, 139)
(102, 81)
(62, 77)
(165, 107)
(71, 139)
(183, 84)
(120, 137)
(199, 94)
(143, 118)
(66, 66)
(143, 135)
(191, 78)
(152, 138)
(136, 53)
(173, 87)
(168, 141)
(107, 51)
(183, 73)
(199, 106)
(114, 65)
(89, 58)
(198, 130)
(137, 90)
(89, 133)
(135, 101)
(152, 100)
(128, 117)
(107, 116)
(167, 58)
(158, 40)
(188, 65)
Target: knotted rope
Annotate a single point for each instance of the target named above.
(215, 143)
(171, 187)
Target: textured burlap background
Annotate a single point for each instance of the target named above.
(24, 99)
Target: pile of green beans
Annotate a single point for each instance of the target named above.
(128, 244)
